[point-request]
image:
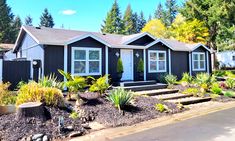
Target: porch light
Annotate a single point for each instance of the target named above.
(137, 55)
(117, 54)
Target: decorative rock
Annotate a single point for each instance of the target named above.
(75, 134)
(86, 126)
(39, 139)
(45, 138)
(37, 136)
(69, 128)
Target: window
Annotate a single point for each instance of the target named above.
(86, 61)
(199, 62)
(157, 61)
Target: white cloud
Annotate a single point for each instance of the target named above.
(69, 12)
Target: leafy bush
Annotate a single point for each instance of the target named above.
(204, 80)
(119, 66)
(215, 89)
(171, 79)
(74, 115)
(100, 85)
(120, 98)
(187, 78)
(219, 73)
(33, 92)
(50, 81)
(230, 74)
(193, 91)
(161, 107)
(6, 97)
(229, 94)
(74, 83)
(140, 66)
(230, 83)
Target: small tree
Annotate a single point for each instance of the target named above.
(140, 66)
(119, 66)
(46, 19)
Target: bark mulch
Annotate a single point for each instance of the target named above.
(14, 130)
(143, 109)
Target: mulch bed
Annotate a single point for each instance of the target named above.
(180, 87)
(143, 110)
(13, 130)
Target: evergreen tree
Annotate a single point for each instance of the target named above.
(29, 21)
(140, 22)
(113, 22)
(135, 19)
(159, 12)
(128, 21)
(171, 11)
(6, 20)
(150, 17)
(46, 19)
(16, 27)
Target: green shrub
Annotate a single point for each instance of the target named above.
(215, 89)
(204, 78)
(74, 115)
(230, 83)
(161, 107)
(50, 81)
(230, 74)
(33, 92)
(193, 91)
(120, 98)
(74, 83)
(171, 79)
(219, 73)
(6, 97)
(100, 85)
(119, 66)
(187, 78)
(229, 94)
(140, 66)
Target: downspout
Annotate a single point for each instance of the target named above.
(144, 52)
(65, 60)
(106, 62)
(190, 63)
(169, 62)
(207, 62)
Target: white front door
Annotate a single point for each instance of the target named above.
(127, 60)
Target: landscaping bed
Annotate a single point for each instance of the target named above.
(13, 130)
(143, 109)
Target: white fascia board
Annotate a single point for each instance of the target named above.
(138, 37)
(86, 36)
(198, 45)
(157, 41)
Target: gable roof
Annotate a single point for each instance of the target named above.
(54, 36)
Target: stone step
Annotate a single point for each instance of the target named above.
(157, 92)
(190, 100)
(137, 83)
(144, 87)
(172, 96)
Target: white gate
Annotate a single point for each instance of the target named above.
(1, 66)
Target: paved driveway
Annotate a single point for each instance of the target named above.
(219, 126)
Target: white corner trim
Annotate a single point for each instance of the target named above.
(1, 69)
(138, 37)
(207, 62)
(106, 62)
(169, 62)
(78, 38)
(199, 69)
(190, 63)
(144, 52)
(65, 60)
(157, 41)
(199, 45)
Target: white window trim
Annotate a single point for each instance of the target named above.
(87, 49)
(154, 51)
(199, 69)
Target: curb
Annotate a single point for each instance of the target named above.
(111, 133)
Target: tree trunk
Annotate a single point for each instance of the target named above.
(32, 110)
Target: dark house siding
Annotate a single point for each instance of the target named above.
(113, 63)
(179, 63)
(136, 61)
(87, 42)
(157, 76)
(53, 60)
(200, 49)
(142, 41)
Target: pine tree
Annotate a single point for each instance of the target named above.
(16, 27)
(113, 22)
(128, 21)
(6, 20)
(46, 19)
(159, 12)
(140, 22)
(135, 19)
(29, 21)
(171, 11)
(150, 17)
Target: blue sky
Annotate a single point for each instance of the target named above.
(87, 15)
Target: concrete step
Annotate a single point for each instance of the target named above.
(190, 100)
(172, 96)
(137, 83)
(157, 92)
(144, 87)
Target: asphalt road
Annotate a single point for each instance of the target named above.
(219, 126)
